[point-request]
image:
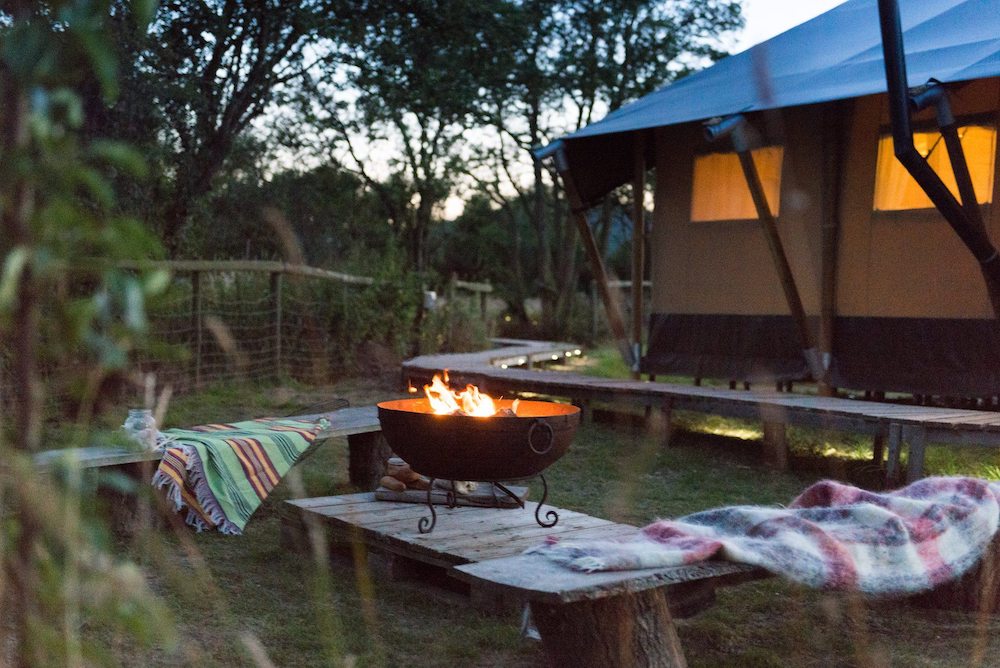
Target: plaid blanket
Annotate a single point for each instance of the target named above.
(222, 472)
(832, 536)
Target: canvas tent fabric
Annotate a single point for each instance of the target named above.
(835, 56)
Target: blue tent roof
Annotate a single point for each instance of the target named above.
(835, 56)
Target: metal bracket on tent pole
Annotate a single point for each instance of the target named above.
(733, 127)
(934, 94)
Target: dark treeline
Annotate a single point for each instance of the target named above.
(352, 123)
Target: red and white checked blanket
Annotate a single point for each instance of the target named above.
(832, 536)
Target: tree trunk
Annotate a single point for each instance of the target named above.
(540, 222)
(625, 630)
(193, 180)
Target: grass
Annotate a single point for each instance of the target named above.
(246, 600)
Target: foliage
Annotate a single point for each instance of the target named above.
(415, 71)
(65, 308)
(573, 61)
(208, 70)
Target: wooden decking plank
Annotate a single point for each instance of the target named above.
(531, 532)
(539, 579)
(512, 547)
(321, 501)
(488, 530)
(372, 516)
(983, 420)
(489, 520)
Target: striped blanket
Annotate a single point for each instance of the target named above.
(833, 536)
(221, 473)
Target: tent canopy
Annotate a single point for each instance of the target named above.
(835, 56)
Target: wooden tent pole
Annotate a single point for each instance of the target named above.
(734, 127)
(770, 227)
(578, 210)
(833, 170)
(638, 250)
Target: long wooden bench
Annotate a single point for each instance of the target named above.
(891, 426)
(367, 449)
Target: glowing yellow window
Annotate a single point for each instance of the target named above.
(719, 190)
(895, 189)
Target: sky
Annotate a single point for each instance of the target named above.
(767, 18)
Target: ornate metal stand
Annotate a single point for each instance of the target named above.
(426, 524)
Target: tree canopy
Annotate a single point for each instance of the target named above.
(415, 105)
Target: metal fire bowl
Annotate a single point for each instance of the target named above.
(460, 447)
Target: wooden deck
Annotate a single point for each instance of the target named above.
(891, 425)
(471, 535)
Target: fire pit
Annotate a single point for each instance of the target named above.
(516, 441)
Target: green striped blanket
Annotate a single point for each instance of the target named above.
(221, 473)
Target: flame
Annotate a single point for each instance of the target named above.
(470, 401)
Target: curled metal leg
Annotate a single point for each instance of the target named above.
(426, 524)
(451, 496)
(551, 516)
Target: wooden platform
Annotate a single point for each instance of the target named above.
(469, 535)
(891, 426)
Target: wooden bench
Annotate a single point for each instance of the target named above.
(367, 448)
(583, 619)
(892, 427)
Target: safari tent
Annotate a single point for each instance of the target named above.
(889, 296)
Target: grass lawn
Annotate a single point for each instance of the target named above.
(241, 600)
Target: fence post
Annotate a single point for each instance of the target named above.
(276, 283)
(196, 323)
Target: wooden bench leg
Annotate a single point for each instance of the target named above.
(626, 630)
(916, 437)
(895, 445)
(661, 423)
(368, 453)
(878, 444)
(775, 445)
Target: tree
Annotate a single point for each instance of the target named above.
(573, 61)
(63, 302)
(217, 65)
(415, 70)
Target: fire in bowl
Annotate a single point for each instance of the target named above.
(504, 446)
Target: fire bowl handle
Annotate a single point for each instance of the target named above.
(551, 436)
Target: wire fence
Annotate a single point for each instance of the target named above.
(256, 320)
(233, 320)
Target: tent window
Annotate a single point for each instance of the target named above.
(895, 189)
(719, 190)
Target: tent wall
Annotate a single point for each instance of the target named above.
(912, 311)
(718, 307)
(907, 264)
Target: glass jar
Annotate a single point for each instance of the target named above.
(140, 425)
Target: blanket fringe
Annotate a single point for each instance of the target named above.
(202, 492)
